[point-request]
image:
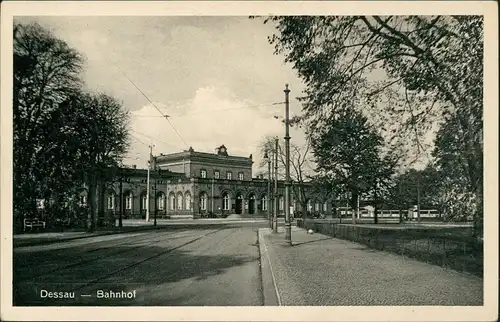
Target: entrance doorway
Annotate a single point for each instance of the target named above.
(251, 204)
(239, 204)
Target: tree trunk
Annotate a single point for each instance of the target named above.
(92, 202)
(101, 201)
(477, 218)
(354, 204)
(400, 204)
(304, 211)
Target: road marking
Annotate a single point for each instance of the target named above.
(271, 268)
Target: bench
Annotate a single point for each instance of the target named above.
(33, 223)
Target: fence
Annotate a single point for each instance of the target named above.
(447, 247)
(425, 214)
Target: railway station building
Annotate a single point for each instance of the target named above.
(191, 184)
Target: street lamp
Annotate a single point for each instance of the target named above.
(269, 213)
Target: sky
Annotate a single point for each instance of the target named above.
(215, 76)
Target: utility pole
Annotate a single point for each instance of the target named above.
(288, 225)
(275, 185)
(269, 213)
(212, 195)
(156, 193)
(271, 194)
(147, 188)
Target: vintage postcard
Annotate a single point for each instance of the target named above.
(264, 161)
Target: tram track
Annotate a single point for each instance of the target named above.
(111, 251)
(188, 283)
(117, 271)
(220, 242)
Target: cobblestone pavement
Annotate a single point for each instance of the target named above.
(320, 270)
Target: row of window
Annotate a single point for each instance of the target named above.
(281, 204)
(229, 174)
(176, 203)
(184, 202)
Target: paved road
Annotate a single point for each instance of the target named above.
(129, 225)
(187, 266)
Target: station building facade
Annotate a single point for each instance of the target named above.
(190, 184)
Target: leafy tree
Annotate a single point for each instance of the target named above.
(436, 55)
(63, 137)
(348, 153)
(461, 164)
(102, 144)
(415, 70)
(46, 72)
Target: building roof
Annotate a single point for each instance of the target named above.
(221, 156)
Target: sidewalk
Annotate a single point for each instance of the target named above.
(320, 270)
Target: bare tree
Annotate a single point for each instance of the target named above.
(301, 166)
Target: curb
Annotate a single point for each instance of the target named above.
(269, 287)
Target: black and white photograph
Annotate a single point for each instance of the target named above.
(261, 158)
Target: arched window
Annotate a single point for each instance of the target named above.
(111, 201)
(172, 201)
(128, 201)
(203, 201)
(282, 203)
(179, 201)
(188, 201)
(309, 205)
(161, 201)
(316, 206)
(325, 206)
(264, 203)
(225, 202)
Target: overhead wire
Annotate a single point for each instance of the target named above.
(166, 116)
(222, 110)
(139, 140)
(150, 137)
